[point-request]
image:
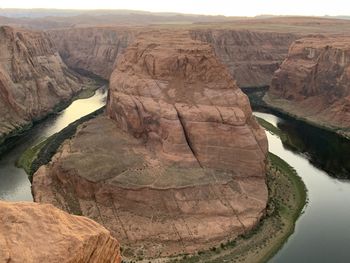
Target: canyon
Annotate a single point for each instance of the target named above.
(177, 164)
(313, 82)
(251, 56)
(33, 79)
(31, 232)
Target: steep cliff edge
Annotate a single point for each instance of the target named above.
(251, 56)
(33, 78)
(34, 233)
(179, 163)
(93, 49)
(313, 82)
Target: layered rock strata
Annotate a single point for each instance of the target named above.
(252, 57)
(93, 49)
(34, 233)
(313, 82)
(33, 78)
(179, 163)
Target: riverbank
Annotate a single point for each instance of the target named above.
(8, 141)
(261, 101)
(287, 198)
(41, 154)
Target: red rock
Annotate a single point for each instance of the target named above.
(33, 78)
(179, 164)
(313, 82)
(34, 233)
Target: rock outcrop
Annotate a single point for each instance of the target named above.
(251, 56)
(33, 78)
(34, 233)
(179, 163)
(93, 49)
(313, 82)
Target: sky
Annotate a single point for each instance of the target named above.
(208, 7)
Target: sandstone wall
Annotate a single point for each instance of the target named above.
(33, 78)
(92, 49)
(313, 81)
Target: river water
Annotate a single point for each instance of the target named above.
(14, 183)
(322, 232)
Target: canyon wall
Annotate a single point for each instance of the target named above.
(178, 163)
(252, 57)
(93, 49)
(34, 233)
(313, 82)
(33, 78)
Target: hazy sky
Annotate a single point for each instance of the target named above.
(211, 7)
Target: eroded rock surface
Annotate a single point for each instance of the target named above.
(177, 166)
(34, 233)
(33, 78)
(93, 49)
(313, 82)
(252, 57)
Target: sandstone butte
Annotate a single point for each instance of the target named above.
(250, 56)
(313, 82)
(178, 162)
(32, 233)
(33, 78)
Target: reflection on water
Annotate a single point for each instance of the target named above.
(322, 233)
(323, 148)
(14, 183)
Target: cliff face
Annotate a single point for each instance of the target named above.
(33, 78)
(33, 233)
(251, 57)
(92, 49)
(313, 81)
(179, 164)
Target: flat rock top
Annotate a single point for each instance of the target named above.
(31, 232)
(120, 159)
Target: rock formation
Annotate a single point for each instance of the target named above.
(33, 78)
(34, 233)
(251, 56)
(179, 163)
(313, 82)
(92, 49)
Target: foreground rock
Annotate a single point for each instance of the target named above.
(179, 164)
(32, 232)
(313, 82)
(33, 78)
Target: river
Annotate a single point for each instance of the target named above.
(322, 232)
(14, 183)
